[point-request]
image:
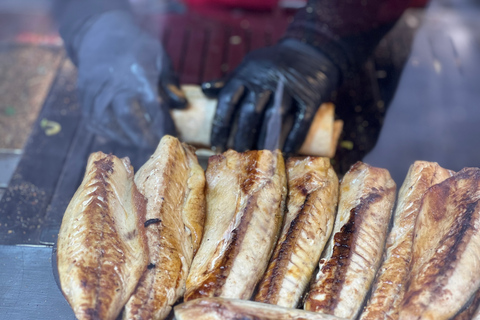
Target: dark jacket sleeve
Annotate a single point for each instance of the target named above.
(74, 16)
(345, 30)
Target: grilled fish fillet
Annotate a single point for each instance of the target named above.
(233, 309)
(102, 250)
(173, 182)
(446, 249)
(392, 277)
(245, 204)
(308, 223)
(354, 252)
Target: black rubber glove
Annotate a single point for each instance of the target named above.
(247, 96)
(121, 72)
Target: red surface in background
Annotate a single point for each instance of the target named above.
(245, 4)
(264, 4)
(418, 3)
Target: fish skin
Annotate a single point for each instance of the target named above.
(446, 249)
(245, 199)
(392, 277)
(173, 182)
(101, 249)
(312, 202)
(233, 309)
(353, 255)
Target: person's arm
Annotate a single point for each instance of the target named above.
(74, 16)
(327, 40)
(346, 31)
(121, 71)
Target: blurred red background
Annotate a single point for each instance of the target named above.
(267, 4)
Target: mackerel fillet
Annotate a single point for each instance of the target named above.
(446, 249)
(102, 249)
(312, 204)
(392, 277)
(233, 309)
(173, 182)
(354, 252)
(245, 196)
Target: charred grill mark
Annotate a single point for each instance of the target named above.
(251, 171)
(357, 166)
(98, 208)
(337, 265)
(468, 173)
(442, 190)
(216, 159)
(92, 314)
(140, 305)
(335, 268)
(302, 185)
(99, 218)
(270, 292)
(104, 165)
(228, 311)
(467, 312)
(255, 170)
(93, 242)
(151, 221)
(212, 285)
(131, 235)
(443, 262)
(137, 307)
(308, 183)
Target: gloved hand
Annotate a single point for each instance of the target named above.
(309, 78)
(121, 72)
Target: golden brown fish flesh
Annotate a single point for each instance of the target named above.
(308, 223)
(392, 277)
(102, 249)
(354, 252)
(245, 195)
(232, 309)
(173, 182)
(446, 249)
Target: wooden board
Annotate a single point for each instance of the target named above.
(194, 124)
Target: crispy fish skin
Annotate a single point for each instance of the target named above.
(245, 195)
(173, 182)
(233, 309)
(354, 252)
(308, 223)
(392, 277)
(446, 249)
(101, 249)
